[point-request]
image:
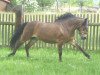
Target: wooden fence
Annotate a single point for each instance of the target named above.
(7, 25)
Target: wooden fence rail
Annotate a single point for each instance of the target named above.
(92, 17)
(7, 26)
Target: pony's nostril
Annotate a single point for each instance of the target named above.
(83, 38)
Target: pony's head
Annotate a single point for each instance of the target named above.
(83, 29)
(17, 8)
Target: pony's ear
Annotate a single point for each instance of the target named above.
(86, 19)
(85, 22)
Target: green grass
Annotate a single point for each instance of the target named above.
(44, 61)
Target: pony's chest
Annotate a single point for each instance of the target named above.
(65, 36)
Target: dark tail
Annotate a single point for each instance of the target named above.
(17, 35)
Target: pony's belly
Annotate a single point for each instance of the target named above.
(51, 42)
(48, 40)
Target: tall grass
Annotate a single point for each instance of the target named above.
(44, 61)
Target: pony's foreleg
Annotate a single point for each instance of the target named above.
(60, 51)
(78, 47)
(17, 45)
(30, 43)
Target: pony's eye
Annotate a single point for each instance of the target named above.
(83, 29)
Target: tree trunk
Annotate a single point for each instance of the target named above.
(57, 5)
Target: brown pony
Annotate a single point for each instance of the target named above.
(61, 31)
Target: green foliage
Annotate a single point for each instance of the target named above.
(84, 2)
(72, 2)
(34, 5)
(89, 3)
(99, 4)
(64, 1)
(31, 6)
(79, 2)
(45, 3)
(13, 2)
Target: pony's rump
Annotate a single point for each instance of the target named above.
(17, 35)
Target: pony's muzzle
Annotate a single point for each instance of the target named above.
(83, 37)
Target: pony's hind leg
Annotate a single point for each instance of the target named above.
(17, 45)
(30, 43)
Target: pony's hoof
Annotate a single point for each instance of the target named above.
(11, 54)
(60, 60)
(88, 56)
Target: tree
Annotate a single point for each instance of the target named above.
(81, 4)
(13, 2)
(99, 4)
(29, 5)
(88, 2)
(44, 3)
(57, 4)
(64, 1)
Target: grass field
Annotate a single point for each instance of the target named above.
(44, 61)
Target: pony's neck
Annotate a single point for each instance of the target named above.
(72, 25)
(76, 24)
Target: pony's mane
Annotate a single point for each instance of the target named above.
(65, 16)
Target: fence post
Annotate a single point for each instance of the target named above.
(19, 13)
